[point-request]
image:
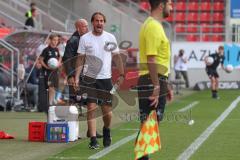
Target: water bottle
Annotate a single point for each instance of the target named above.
(21, 71)
(81, 97)
(114, 89)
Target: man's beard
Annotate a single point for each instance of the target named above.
(165, 13)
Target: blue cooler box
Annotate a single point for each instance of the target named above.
(57, 132)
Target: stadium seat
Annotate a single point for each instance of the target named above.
(192, 37)
(218, 28)
(192, 17)
(218, 17)
(144, 6)
(205, 17)
(4, 32)
(180, 6)
(193, 6)
(192, 28)
(179, 28)
(205, 6)
(218, 6)
(206, 28)
(206, 38)
(170, 18)
(217, 38)
(180, 17)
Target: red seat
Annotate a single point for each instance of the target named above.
(193, 6)
(218, 28)
(144, 6)
(205, 6)
(217, 38)
(192, 0)
(192, 27)
(192, 37)
(180, 17)
(193, 17)
(180, 6)
(218, 6)
(206, 38)
(205, 17)
(218, 17)
(170, 18)
(5, 31)
(179, 27)
(205, 28)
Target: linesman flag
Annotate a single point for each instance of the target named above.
(148, 139)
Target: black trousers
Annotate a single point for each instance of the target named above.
(145, 89)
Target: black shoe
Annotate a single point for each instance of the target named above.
(93, 143)
(106, 137)
(144, 158)
(98, 135)
(215, 96)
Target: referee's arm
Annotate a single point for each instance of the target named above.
(152, 67)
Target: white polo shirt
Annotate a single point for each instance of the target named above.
(98, 62)
(180, 64)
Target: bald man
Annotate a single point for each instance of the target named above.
(70, 53)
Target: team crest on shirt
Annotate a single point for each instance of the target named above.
(110, 46)
(50, 53)
(88, 48)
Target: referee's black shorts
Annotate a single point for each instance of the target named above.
(145, 89)
(97, 90)
(212, 72)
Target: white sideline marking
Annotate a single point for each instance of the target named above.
(68, 158)
(199, 141)
(188, 106)
(130, 129)
(112, 147)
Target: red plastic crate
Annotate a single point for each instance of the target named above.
(36, 131)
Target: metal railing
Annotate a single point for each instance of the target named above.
(11, 20)
(53, 8)
(202, 33)
(13, 50)
(236, 33)
(43, 20)
(133, 9)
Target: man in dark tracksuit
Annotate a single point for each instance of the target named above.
(69, 57)
(212, 70)
(30, 22)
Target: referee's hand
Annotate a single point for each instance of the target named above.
(154, 97)
(170, 95)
